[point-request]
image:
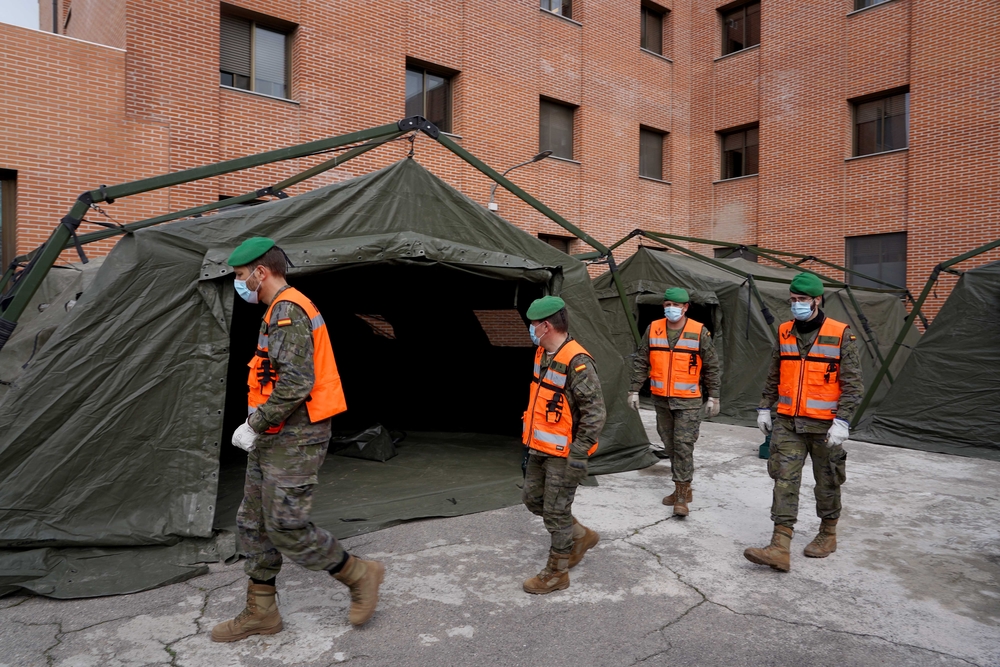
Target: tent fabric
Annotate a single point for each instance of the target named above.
(742, 336)
(111, 438)
(945, 398)
(55, 297)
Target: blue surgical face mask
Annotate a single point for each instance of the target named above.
(248, 295)
(802, 311)
(673, 313)
(534, 338)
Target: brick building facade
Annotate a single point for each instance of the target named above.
(131, 89)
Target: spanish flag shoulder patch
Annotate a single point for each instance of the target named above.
(284, 322)
(580, 367)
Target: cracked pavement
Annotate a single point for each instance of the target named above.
(915, 581)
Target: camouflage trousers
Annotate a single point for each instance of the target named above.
(549, 488)
(678, 429)
(788, 456)
(273, 519)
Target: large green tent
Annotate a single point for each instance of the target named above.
(945, 398)
(723, 300)
(115, 463)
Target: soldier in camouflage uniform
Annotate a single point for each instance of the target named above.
(564, 419)
(678, 418)
(824, 353)
(286, 448)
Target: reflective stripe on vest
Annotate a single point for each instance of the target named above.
(809, 386)
(548, 421)
(675, 372)
(327, 396)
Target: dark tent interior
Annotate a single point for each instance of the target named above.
(412, 342)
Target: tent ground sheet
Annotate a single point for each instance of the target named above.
(433, 474)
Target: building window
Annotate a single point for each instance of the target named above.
(253, 57)
(880, 256)
(651, 154)
(560, 7)
(8, 218)
(740, 153)
(861, 4)
(881, 125)
(428, 94)
(560, 243)
(652, 28)
(555, 128)
(732, 253)
(741, 28)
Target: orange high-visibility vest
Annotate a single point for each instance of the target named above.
(548, 421)
(675, 372)
(327, 396)
(810, 386)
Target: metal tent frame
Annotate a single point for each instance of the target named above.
(668, 240)
(23, 277)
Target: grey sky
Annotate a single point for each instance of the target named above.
(20, 12)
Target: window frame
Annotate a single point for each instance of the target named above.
(725, 13)
(549, 238)
(254, 19)
(448, 75)
(865, 4)
(723, 166)
(565, 9)
(8, 218)
(646, 9)
(880, 128)
(572, 110)
(663, 149)
(857, 281)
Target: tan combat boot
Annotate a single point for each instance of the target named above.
(260, 617)
(682, 496)
(825, 543)
(777, 553)
(553, 577)
(672, 498)
(584, 539)
(363, 577)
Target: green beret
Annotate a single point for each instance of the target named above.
(808, 284)
(545, 307)
(677, 295)
(250, 250)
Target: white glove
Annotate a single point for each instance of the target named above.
(764, 420)
(244, 437)
(838, 432)
(633, 400)
(712, 407)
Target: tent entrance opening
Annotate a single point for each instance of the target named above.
(439, 354)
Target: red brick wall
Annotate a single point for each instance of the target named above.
(158, 107)
(62, 110)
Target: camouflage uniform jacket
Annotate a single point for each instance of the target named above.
(851, 381)
(711, 370)
(290, 350)
(585, 401)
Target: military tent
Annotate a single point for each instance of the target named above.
(723, 301)
(945, 397)
(115, 462)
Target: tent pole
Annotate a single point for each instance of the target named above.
(445, 141)
(66, 231)
(613, 268)
(239, 199)
(870, 393)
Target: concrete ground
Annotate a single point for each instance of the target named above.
(915, 581)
